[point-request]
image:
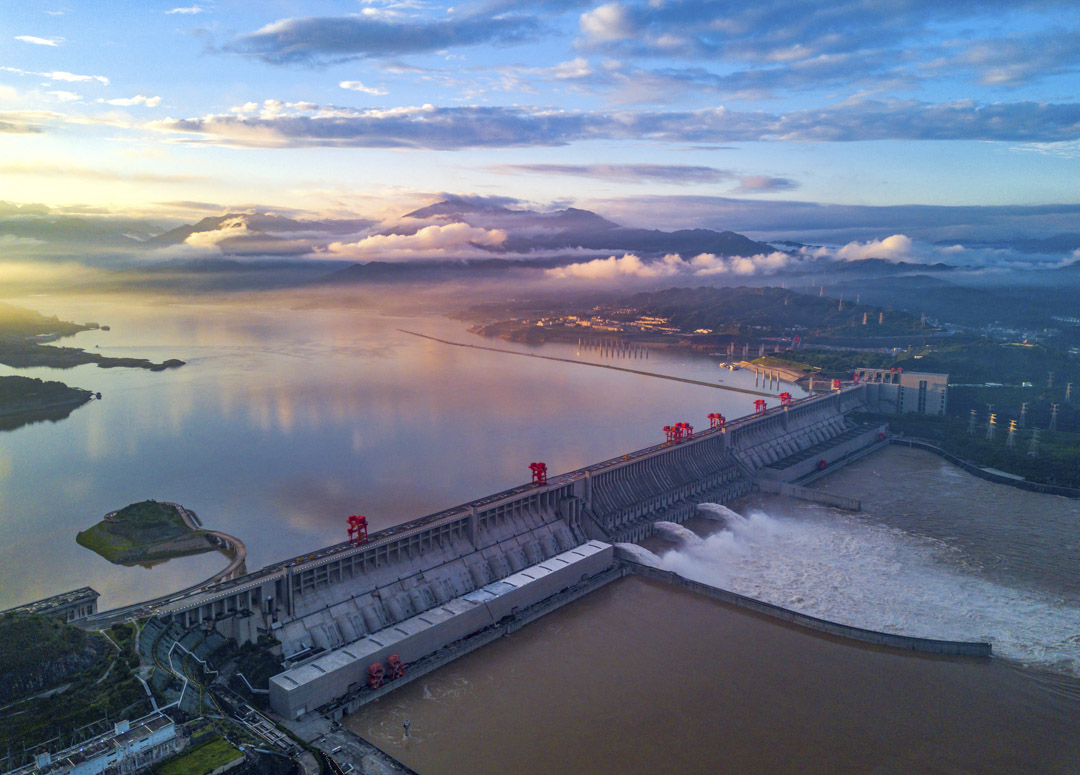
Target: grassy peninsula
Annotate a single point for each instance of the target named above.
(144, 532)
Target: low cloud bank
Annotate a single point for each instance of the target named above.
(449, 241)
(896, 248)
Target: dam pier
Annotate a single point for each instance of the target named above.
(354, 619)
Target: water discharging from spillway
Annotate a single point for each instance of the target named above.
(847, 569)
(678, 533)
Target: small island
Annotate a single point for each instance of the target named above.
(146, 533)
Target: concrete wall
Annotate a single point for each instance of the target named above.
(807, 494)
(924, 645)
(329, 676)
(790, 471)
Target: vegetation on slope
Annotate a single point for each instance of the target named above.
(62, 684)
(202, 759)
(135, 533)
(38, 653)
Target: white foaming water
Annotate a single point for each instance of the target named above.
(846, 570)
(677, 532)
(639, 554)
(720, 512)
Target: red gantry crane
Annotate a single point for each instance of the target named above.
(357, 529)
(785, 399)
(539, 473)
(716, 420)
(759, 406)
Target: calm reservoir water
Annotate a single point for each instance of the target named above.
(285, 421)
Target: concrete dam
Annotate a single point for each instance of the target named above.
(417, 588)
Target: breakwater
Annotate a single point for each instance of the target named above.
(891, 640)
(977, 470)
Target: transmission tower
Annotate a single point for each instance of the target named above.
(863, 317)
(972, 423)
(1023, 413)
(1068, 390)
(1033, 448)
(990, 427)
(1012, 433)
(881, 317)
(841, 307)
(1053, 417)
(1050, 380)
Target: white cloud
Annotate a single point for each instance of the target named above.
(191, 9)
(65, 96)
(138, 99)
(234, 227)
(452, 240)
(360, 87)
(39, 41)
(898, 247)
(606, 23)
(58, 75)
(631, 266)
(612, 268)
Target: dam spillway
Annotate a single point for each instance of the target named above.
(419, 583)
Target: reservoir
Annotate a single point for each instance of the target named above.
(287, 419)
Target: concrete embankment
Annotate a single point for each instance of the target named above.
(353, 702)
(982, 473)
(806, 494)
(890, 640)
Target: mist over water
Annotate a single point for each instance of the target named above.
(847, 569)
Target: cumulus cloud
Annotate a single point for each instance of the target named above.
(360, 87)
(631, 266)
(65, 96)
(138, 99)
(33, 39)
(314, 40)
(187, 10)
(449, 241)
(446, 128)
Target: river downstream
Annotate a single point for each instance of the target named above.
(595, 686)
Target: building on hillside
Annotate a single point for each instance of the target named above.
(71, 606)
(897, 391)
(129, 747)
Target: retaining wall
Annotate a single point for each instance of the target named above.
(982, 473)
(924, 645)
(806, 494)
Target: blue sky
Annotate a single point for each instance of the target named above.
(373, 107)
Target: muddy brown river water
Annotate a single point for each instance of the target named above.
(640, 677)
